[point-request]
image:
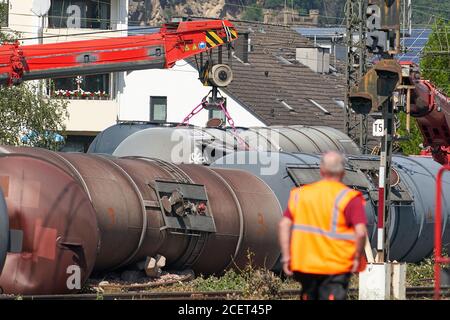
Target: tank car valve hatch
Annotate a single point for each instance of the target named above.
(184, 206)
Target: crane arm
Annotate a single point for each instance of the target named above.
(174, 41)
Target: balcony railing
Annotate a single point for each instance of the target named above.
(80, 94)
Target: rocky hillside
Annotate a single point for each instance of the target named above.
(154, 12)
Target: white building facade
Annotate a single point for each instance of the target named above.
(147, 95)
(169, 95)
(74, 20)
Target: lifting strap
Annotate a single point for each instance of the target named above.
(230, 120)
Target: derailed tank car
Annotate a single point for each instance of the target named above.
(101, 213)
(4, 230)
(205, 145)
(413, 193)
(108, 140)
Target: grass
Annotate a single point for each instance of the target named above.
(260, 283)
(420, 274)
(254, 283)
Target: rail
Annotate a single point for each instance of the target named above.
(411, 293)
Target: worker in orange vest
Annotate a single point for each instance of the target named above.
(322, 233)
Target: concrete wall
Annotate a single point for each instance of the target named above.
(91, 116)
(317, 58)
(183, 91)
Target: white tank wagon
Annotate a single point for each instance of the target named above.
(205, 145)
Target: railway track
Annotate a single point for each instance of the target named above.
(426, 292)
(411, 293)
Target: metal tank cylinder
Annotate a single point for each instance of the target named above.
(197, 217)
(108, 140)
(177, 145)
(4, 231)
(59, 226)
(298, 138)
(412, 224)
(205, 145)
(413, 193)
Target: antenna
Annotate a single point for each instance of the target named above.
(40, 7)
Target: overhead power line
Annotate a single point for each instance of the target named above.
(430, 8)
(89, 33)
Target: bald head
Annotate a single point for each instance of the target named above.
(332, 165)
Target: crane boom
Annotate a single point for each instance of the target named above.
(174, 41)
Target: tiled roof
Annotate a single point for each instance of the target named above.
(272, 76)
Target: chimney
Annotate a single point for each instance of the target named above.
(315, 58)
(314, 16)
(285, 17)
(267, 16)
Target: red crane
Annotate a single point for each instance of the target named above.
(431, 108)
(174, 41)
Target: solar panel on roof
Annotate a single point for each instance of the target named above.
(414, 45)
(311, 32)
(139, 30)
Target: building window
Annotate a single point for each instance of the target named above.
(158, 109)
(139, 12)
(216, 114)
(95, 87)
(92, 14)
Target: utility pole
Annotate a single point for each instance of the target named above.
(355, 69)
(40, 9)
(384, 182)
(285, 14)
(41, 41)
(387, 140)
(406, 18)
(364, 119)
(374, 95)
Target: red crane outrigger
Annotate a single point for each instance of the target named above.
(438, 258)
(174, 41)
(431, 108)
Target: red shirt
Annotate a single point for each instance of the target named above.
(354, 212)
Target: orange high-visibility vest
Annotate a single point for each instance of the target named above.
(321, 241)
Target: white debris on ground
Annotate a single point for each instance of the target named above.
(130, 280)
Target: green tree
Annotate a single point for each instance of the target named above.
(27, 116)
(435, 65)
(253, 13)
(3, 14)
(424, 11)
(411, 145)
(273, 4)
